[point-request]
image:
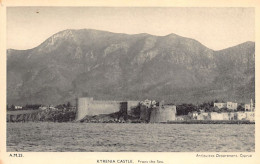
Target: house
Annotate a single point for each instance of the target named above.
(247, 107)
(241, 116)
(203, 116)
(18, 107)
(220, 105)
(229, 105)
(250, 107)
(232, 106)
(216, 116)
(43, 107)
(250, 116)
(193, 115)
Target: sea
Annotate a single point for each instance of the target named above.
(127, 137)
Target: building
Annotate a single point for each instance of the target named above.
(202, 116)
(148, 103)
(216, 116)
(241, 116)
(250, 111)
(87, 106)
(232, 116)
(220, 105)
(250, 116)
(229, 105)
(163, 113)
(18, 107)
(250, 107)
(179, 118)
(247, 107)
(43, 107)
(145, 112)
(193, 115)
(156, 112)
(232, 106)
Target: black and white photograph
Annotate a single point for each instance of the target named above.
(130, 79)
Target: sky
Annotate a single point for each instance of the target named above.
(216, 28)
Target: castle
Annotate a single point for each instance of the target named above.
(87, 106)
(149, 111)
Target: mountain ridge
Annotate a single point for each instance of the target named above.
(124, 34)
(122, 66)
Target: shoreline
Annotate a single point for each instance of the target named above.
(69, 116)
(211, 122)
(169, 122)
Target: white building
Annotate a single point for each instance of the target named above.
(220, 105)
(231, 105)
(193, 115)
(241, 116)
(247, 107)
(250, 116)
(18, 107)
(216, 116)
(148, 103)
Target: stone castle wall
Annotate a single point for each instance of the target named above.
(103, 107)
(89, 107)
(83, 107)
(164, 114)
(145, 113)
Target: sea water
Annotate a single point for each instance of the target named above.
(112, 137)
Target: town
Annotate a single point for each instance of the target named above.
(148, 111)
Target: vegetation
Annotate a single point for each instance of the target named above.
(184, 109)
(63, 106)
(240, 108)
(26, 107)
(32, 106)
(49, 114)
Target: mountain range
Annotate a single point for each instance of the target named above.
(115, 66)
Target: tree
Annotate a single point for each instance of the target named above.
(12, 107)
(184, 109)
(216, 109)
(207, 106)
(240, 108)
(68, 104)
(224, 109)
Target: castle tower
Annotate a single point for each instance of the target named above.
(82, 107)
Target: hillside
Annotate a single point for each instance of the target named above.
(119, 66)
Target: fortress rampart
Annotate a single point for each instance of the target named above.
(149, 111)
(145, 113)
(163, 114)
(88, 106)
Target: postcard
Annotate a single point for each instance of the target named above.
(132, 82)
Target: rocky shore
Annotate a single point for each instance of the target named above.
(48, 115)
